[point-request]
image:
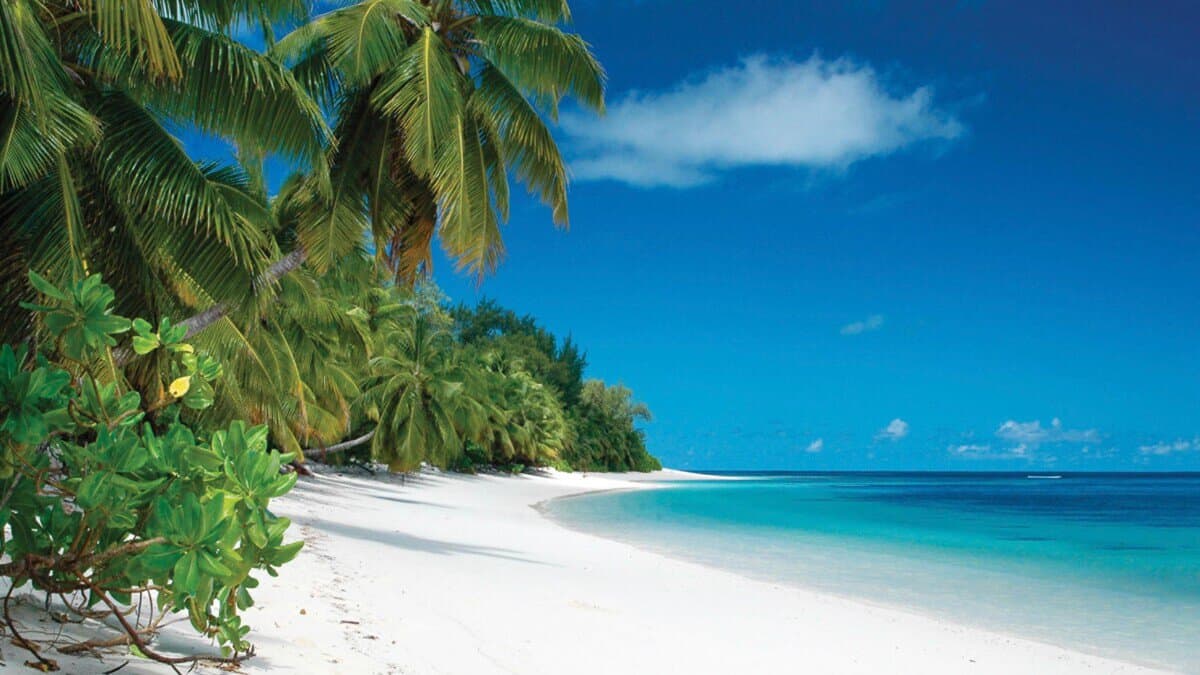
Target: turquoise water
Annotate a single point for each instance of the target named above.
(1105, 563)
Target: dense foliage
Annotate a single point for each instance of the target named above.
(600, 432)
(107, 499)
(139, 458)
(468, 388)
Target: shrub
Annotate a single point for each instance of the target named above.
(108, 499)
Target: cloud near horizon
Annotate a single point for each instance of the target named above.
(816, 446)
(894, 431)
(1034, 434)
(817, 114)
(873, 322)
(1168, 448)
(977, 451)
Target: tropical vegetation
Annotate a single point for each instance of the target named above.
(283, 317)
(110, 501)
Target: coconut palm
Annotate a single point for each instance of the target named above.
(91, 177)
(436, 103)
(300, 374)
(417, 395)
(524, 419)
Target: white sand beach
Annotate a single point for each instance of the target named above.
(447, 573)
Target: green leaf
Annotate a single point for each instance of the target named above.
(144, 345)
(209, 564)
(286, 553)
(187, 574)
(46, 288)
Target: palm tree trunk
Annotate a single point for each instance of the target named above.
(314, 453)
(198, 322)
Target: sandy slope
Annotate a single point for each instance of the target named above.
(458, 574)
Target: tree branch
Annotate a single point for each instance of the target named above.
(136, 638)
(33, 562)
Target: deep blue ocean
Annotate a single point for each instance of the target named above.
(1105, 563)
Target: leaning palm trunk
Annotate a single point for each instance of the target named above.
(198, 322)
(315, 453)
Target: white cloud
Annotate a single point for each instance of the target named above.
(894, 431)
(873, 322)
(816, 446)
(969, 450)
(1167, 448)
(977, 451)
(1034, 434)
(816, 114)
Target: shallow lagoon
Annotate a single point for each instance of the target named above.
(1107, 563)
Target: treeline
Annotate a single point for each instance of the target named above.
(460, 388)
(599, 419)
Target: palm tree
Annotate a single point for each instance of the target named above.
(93, 181)
(305, 358)
(525, 420)
(435, 103)
(417, 393)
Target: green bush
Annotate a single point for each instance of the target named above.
(110, 499)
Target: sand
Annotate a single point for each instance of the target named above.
(446, 573)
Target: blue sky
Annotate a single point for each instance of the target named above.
(1000, 197)
(884, 235)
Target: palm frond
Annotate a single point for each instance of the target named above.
(365, 39)
(542, 59)
(423, 91)
(530, 148)
(552, 11)
(39, 120)
(469, 231)
(304, 50)
(30, 144)
(330, 226)
(134, 27)
(227, 89)
(156, 184)
(224, 15)
(29, 65)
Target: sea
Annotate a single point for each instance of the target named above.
(1106, 563)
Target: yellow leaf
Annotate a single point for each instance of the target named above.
(180, 386)
(185, 348)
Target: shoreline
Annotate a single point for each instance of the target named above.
(446, 573)
(543, 509)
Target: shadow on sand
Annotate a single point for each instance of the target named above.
(414, 543)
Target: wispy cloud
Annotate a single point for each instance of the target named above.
(817, 114)
(816, 446)
(894, 431)
(873, 322)
(984, 451)
(1170, 447)
(1034, 434)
